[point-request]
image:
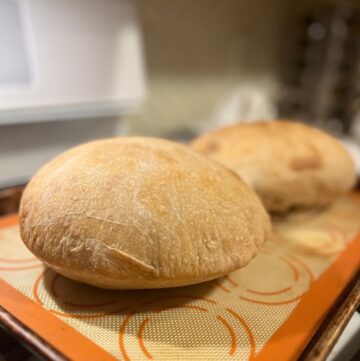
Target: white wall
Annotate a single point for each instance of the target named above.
(24, 148)
(81, 52)
(86, 59)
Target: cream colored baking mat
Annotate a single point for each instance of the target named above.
(268, 310)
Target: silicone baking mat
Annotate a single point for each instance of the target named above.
(268, 310)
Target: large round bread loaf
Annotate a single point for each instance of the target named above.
(140, 213)
(290, 165)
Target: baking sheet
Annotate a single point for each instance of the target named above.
(268, 310)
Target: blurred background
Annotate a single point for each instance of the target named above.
(75, 70)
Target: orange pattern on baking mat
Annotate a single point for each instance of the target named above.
(247, 315)
(14, 256)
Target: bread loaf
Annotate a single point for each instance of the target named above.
(290, 165)
(140, 213)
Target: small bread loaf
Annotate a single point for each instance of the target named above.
(290, 165)
(140, 213)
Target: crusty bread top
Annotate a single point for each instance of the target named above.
(288, 164)
(140, 212)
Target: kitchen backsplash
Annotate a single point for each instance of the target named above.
(207, 60)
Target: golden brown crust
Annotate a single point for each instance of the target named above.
(140, 213)
(289, 164)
